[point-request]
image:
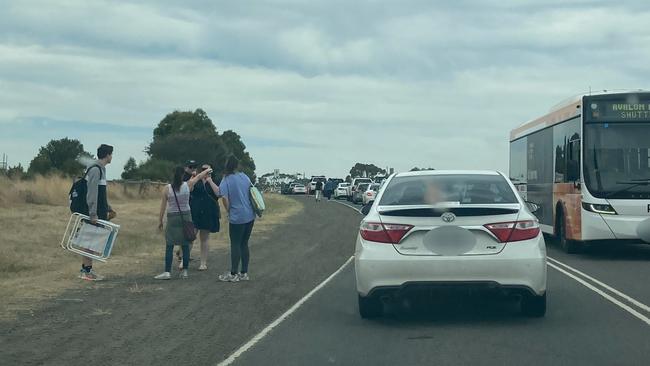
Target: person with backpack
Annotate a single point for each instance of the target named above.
(179, 230)
(235, 190)
(319, 191)
(89, 196)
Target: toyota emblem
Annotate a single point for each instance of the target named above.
(448, 217)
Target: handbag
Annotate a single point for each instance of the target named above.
(257, 201)
(189, 231)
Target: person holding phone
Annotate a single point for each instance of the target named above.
(205, 212)
(176, 203)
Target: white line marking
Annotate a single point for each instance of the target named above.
(352, 207)
(603, 294)
(282, 317)
(629, 299)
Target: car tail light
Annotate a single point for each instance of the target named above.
(514, 231)
(384, 233)
(369, 194)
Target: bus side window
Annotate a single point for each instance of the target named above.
(573, 161)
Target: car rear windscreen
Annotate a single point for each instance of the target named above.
(465, 189)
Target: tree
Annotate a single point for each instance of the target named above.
(157, 170)
(236, 147)
(182, 136)
(130, 169)
(416, 169)
(59, 156)
(15, 172)
(185, 123)
(368, 170)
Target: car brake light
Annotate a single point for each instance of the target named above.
(383, 233)
(369, 194)
(514, 231)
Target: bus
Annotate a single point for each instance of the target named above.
(586, 165)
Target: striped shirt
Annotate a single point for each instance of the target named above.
(183, 199)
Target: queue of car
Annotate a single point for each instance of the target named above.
(440, 230)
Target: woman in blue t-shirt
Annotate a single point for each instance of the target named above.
(235, 190)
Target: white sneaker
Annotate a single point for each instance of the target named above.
(229, 277)
(90, 276)
(163, 276)
(183, 274)
(244, 277)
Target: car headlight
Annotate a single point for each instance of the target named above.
(599, 208)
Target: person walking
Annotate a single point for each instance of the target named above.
(97, 199)
(319, 191)
(235, 192)
(176, 203)
(329, 189)
(205, 212)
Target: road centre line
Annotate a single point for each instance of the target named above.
(603, 294)
(627, 298)
(554, 263)
(250, 344)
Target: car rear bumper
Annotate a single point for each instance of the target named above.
(380, 268)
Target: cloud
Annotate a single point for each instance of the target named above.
(316, 86)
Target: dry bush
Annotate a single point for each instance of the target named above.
(53, 191)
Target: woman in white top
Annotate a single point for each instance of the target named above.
(176, 202)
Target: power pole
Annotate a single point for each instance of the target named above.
(4, 165)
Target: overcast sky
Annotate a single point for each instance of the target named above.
(312, 86)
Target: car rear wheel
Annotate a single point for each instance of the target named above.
(370, 307)
(533, 306)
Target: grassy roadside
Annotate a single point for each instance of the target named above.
(34, 268)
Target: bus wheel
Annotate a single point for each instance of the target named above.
(569, 246)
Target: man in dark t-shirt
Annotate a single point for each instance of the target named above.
(190, 170)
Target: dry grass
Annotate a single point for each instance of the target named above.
(53, 191)
(33, 266)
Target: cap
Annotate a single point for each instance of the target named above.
(191, 164)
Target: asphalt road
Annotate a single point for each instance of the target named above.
(590, 321)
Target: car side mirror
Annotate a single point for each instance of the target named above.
(533, 207)
(366, 209)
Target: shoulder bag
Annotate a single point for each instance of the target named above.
(189, 231)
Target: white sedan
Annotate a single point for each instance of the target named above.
(370, 193)
(341, 190)
(434, 229)
(299, 189)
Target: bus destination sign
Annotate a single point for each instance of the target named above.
(629, 109)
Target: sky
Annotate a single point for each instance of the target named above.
(311, 86)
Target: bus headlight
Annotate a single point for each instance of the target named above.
(599, 208)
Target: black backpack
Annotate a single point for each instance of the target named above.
(319, 186)
(79, 191)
